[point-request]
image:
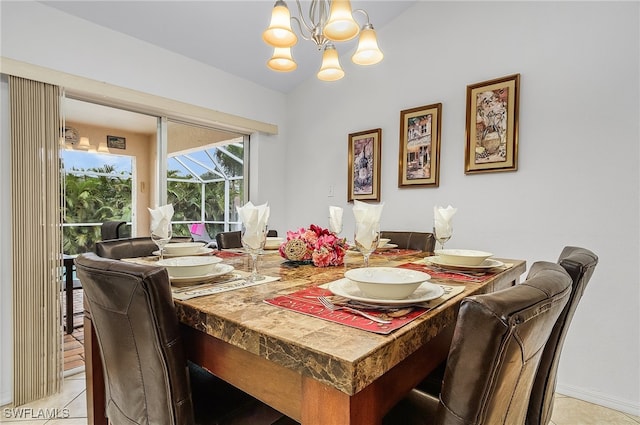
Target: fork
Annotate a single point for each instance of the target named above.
(331, 306)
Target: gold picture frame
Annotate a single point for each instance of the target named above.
(492, 125)
(419, 161)
(364, 165)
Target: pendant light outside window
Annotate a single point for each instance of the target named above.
(282, 60)
(84, 144)
(279, 33)
(368, 52)
(330, 69)
(102, 147)
(341, 26)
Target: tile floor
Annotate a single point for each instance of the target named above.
(70, 407)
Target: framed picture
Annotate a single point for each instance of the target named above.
(492, 125)
(364, 165)
(419, 163)
(116, 142)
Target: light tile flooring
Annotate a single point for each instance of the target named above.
(69, 408)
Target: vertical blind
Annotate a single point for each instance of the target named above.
(36, 209)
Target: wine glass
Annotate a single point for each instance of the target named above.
(161, 235)
(253, 240)
(442, 232)
(366, 238)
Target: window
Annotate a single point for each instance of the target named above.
(97, 188)
(205, 182)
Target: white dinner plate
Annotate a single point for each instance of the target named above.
(349, 289)
(487, 264)
(220, 270)
(201, 251)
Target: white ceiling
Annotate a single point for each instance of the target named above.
(223, 34)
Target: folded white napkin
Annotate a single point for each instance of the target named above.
(442, 220)
(254, 219)
(367, 221)
(161, 219)
(335, 219)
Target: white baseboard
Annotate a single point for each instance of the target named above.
(626, 406)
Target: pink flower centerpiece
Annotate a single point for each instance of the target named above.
(317, 245)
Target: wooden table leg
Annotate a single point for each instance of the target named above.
(94, 375)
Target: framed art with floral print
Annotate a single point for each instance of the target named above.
(364, 165)
(419, 162)
(492, 125)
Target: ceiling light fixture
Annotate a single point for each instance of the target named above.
(329, 22)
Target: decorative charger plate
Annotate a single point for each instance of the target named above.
(487, 264)
(349, 289)
(201, 251)
(221, 269)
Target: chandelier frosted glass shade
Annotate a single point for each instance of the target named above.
(282, 60)
(368, 52)
(341, 26)
(279, 33)
(330, 69)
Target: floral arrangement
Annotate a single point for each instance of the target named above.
(317, 245)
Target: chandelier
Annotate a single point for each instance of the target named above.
(328, 22)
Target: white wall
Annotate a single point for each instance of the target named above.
(577, 182)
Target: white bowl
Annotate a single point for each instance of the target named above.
(383, 241)
(388, 283)
(189, 266)
(273, 242)
(183, 248)
(462, 257)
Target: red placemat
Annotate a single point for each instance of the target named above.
(227, 254)
(306, 302)
(437, 274)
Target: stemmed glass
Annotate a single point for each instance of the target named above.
(253, 240)
(366, 238)
(161, 235)
(442, 232)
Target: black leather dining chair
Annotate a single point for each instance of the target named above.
(496, 348)
(411, 240)
(227, 240)
(580, 263)
(147, 377)
(131, 247)
(112, 230)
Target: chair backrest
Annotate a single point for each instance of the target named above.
(145, 368)
(496, 348)
(131, 247)
(226, 240)
(411, 240)
(580, 263)
(112, 230)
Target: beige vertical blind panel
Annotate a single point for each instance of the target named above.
(36, 238)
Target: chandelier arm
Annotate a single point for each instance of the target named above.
(302, 20)
(364, 12)
(293, 18)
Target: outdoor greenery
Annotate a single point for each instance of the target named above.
(100, 194)
(93, 196)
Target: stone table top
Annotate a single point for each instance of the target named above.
(346, 358)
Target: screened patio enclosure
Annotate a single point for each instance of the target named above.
(205, 185)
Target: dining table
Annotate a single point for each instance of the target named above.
(314, 370)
